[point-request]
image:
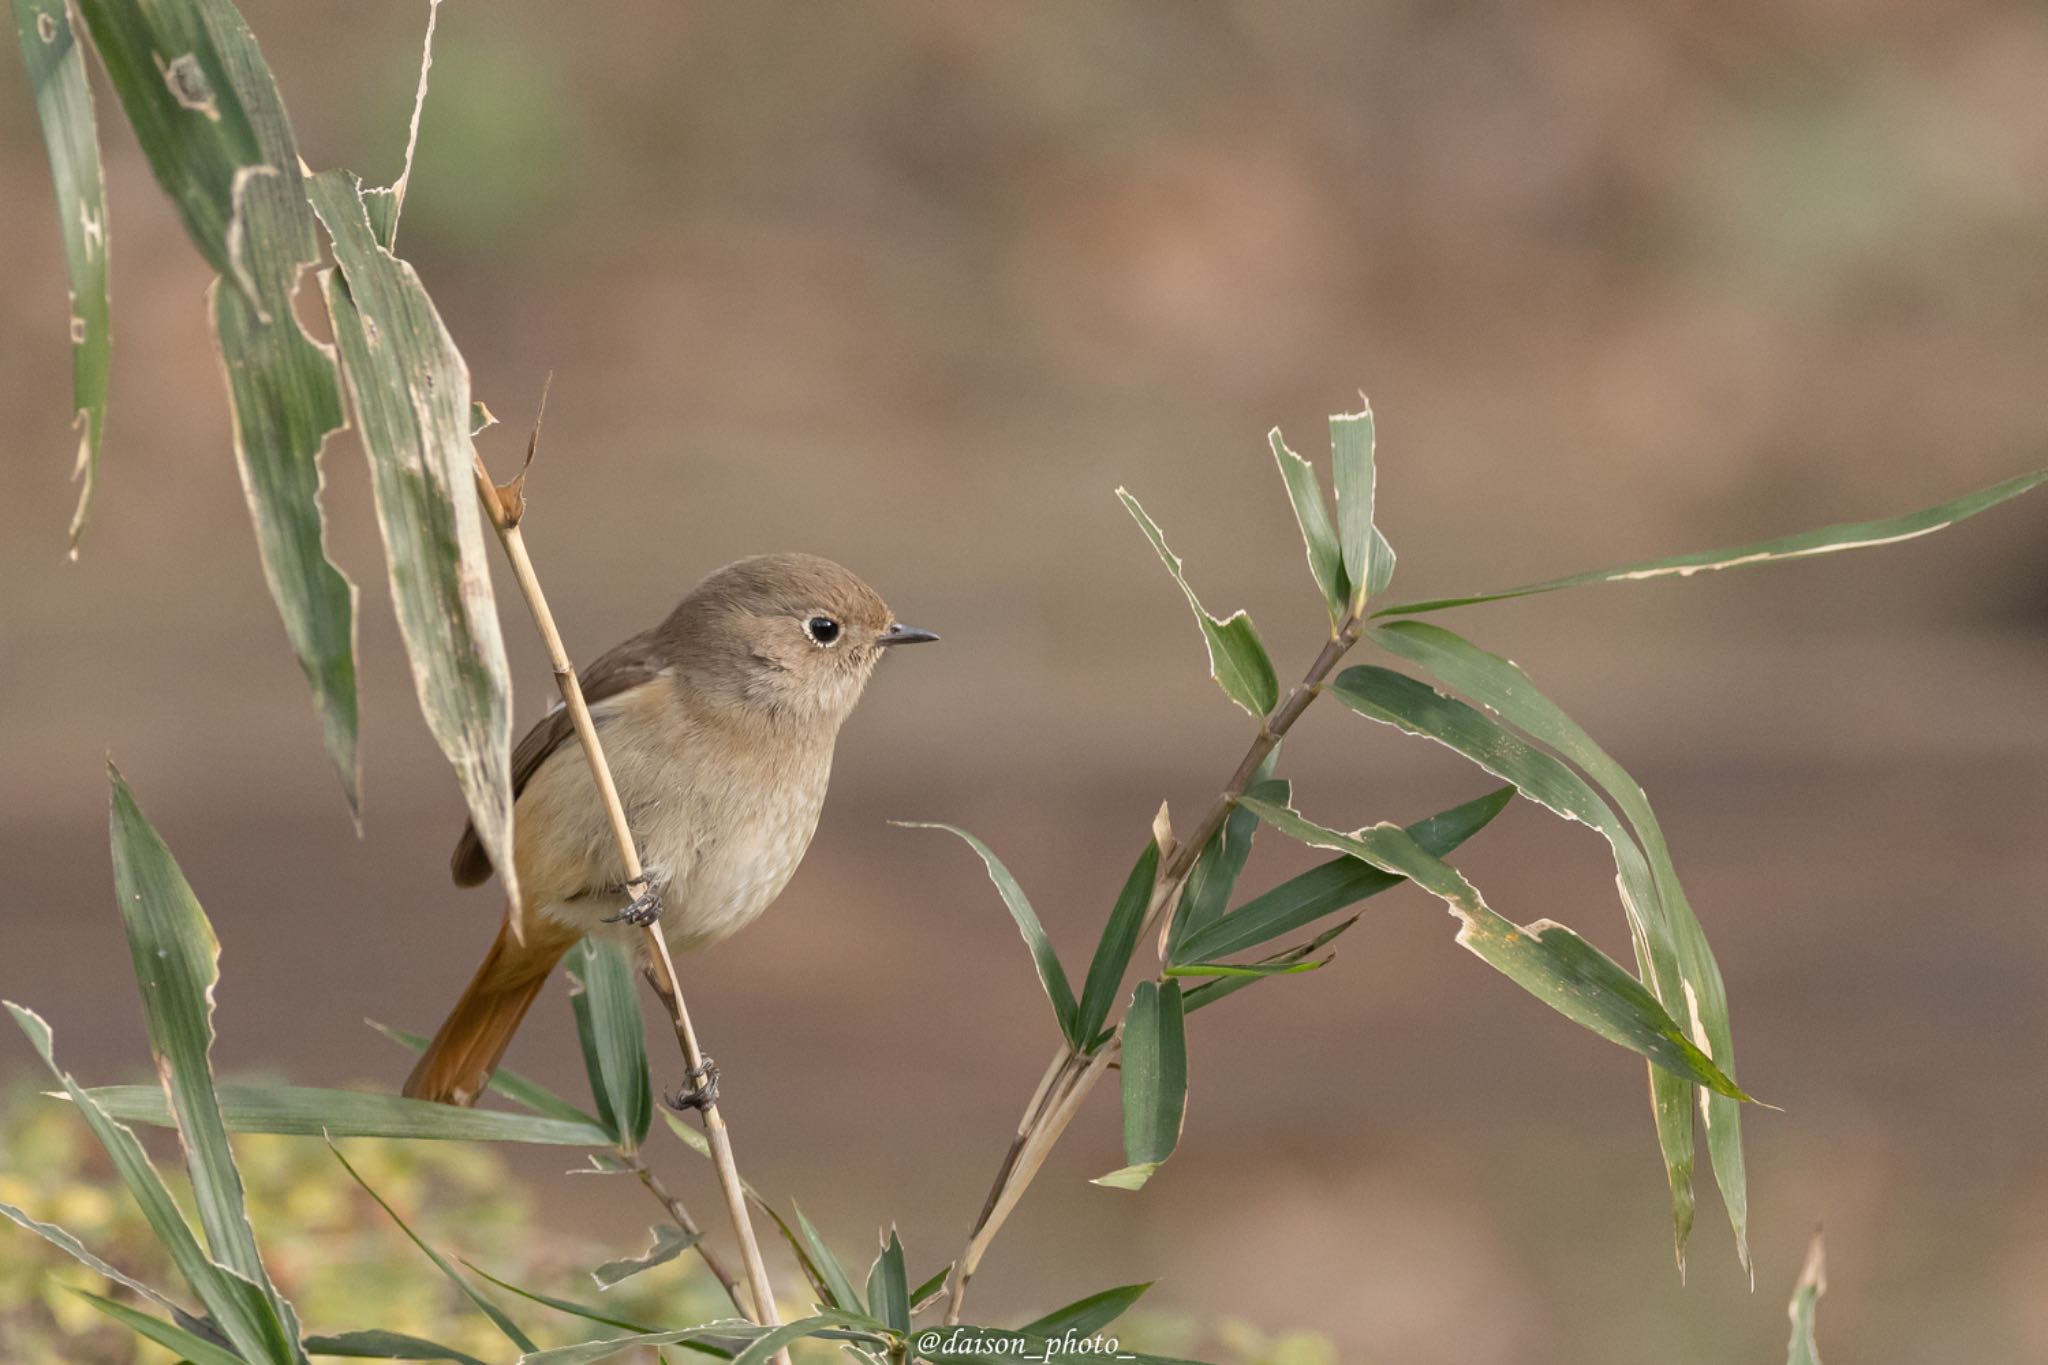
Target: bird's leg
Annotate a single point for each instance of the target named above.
(645, 909)
(703, 1091)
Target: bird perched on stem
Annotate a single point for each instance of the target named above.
(719, 725)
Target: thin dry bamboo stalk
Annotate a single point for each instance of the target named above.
(506, 507)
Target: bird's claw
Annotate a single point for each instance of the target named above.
(645, 910)
(702, 1092)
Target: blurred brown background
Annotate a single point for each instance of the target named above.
(917, 286)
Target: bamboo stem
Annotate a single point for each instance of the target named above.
(1073, 1074)
(506, 508)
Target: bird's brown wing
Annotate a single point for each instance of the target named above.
(621, 669)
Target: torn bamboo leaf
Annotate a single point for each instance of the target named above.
(1368, 559)
(1237, 660)
(1499, 684)
(1413, 706)
(208, 116)
(55, 61)
(410, 389)
(1826, 540)
(1546, 959)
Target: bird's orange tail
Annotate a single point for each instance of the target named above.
(458, 1064)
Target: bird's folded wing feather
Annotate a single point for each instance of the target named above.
(632, 664)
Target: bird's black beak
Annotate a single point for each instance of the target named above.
(900, 634)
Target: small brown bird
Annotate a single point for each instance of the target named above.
(718, 725)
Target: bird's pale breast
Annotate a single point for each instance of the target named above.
(722, 817)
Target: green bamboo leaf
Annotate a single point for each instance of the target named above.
(591, 1352)
(1546, 959)
(839, 1290)
(1091, 1314)
(246, 1317)
(888, 1287)
(382, 1345)
(1209, 992)
(1247, 968)
(1325, 558)
(1826, 540)
(1326, 889)
(669, 1242)
(618, 1035)
(469, 1291)
(410, 388)
(1368, 559)
(561, 1305)
(1221, 863)
(1050, 974)
(1119, 941)
(308, 1111)
(56, 76)
(1500, 685)
(765, 1346)
(78, 1251)
(176, 961)
(927, 1293)
(208, 117)
(510, 1084)
(1237, 660)
(1155, 1082)
(1414, 707)
(1813, 1282)
(190, 1346)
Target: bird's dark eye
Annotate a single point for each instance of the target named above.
(822, 629)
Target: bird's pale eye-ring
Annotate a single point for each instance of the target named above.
(823, 630)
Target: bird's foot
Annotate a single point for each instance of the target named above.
(702, 1092)
(645, 909)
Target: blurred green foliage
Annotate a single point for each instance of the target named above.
(343, 1263)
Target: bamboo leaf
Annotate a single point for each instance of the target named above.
(1368, 559)
(207, 113)
(1326, 889)
(560, 1305)
(591, 1352)
(382, 1345)
(1221, 863)
(307, 1111)
(410, 388)
(1050, 974)
(1155, 1082)
(1237, 660)
(1546, 959)
(1247, 968)
(927, 1293)
(55, 61)
(1826, 540)
(1209, 992)
(469, 1291)
(668, 1243)
(190, 1346)
(768, 1343)
(839, 1290)
(1119, 941)
(1091, 1314)
(246, 1317)
(1414, 707)
(176, 961)
(510, 1084)
(1325, 557)
(1813, 1282)
(78, 1251)
(888, 1287)
(619, 1037)
(1499, 684)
